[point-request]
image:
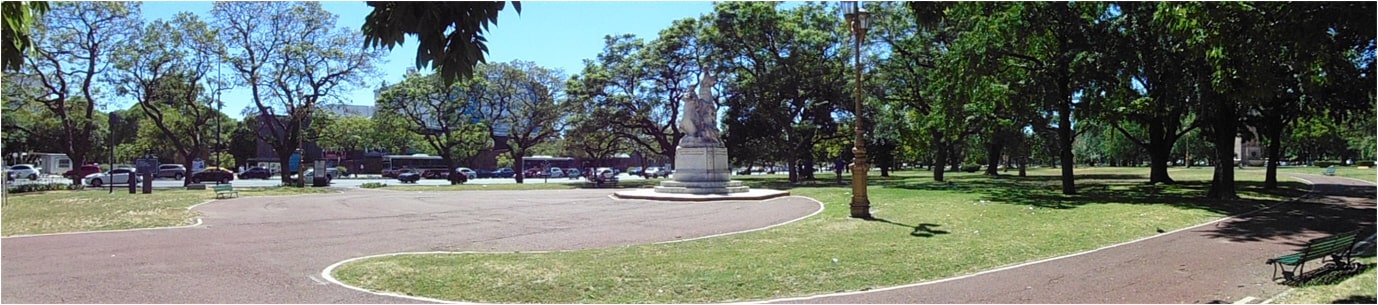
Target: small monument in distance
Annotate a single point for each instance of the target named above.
(701, 170)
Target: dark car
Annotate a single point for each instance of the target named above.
(256, 172)
(535, 173)
(213, 174)
(483, 173)
(634, 171)
(408, 176)
(82, 172)
(505, 172)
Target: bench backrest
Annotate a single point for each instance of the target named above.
(1321, 247)
(224, 187)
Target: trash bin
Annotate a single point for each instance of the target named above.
(320, 181)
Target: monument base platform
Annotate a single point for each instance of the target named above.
(653, 194)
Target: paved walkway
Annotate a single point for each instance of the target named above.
(1217, 262)
(272, 249)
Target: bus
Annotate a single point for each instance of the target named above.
(393, 164)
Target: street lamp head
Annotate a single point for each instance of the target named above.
(849, 8)
(856, 14)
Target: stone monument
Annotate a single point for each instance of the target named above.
(701, 169)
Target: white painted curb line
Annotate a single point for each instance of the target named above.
(326, 274)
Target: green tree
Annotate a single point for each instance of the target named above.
(592, 138)
(439, 114)
(166, 69)
(783, 84)
(72, 50)
(20, 19)
(453, 54)
(347, 133)
(523, 101)
(291, 58)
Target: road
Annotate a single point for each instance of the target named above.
(341, 182)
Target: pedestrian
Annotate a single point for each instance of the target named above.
(837, 168)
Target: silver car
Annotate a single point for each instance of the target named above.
(23, 171)
(115, 176)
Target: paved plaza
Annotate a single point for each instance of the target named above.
(273, 249)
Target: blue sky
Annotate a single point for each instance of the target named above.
(552, 34)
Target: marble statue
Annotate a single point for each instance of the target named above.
(699, 121)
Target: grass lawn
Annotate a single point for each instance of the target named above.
(1366, 174)
(929, 231)
(98, 210)
(1358, 289)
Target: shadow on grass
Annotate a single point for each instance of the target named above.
(1330, 275)
(921, 230)
(1356, 299)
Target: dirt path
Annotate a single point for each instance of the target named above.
(272, 249)
(1217, 262)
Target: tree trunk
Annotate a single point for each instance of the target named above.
(284, 159)
(993, 156)
(1224, 124)
(519, 163)
(1270, 180)
(939, 156)
(1064, 132)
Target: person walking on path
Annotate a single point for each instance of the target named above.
(1220, 261)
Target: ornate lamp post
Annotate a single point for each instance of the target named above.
(859, 20)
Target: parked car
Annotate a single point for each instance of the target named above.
(483, 173)
(556, 172)
(605, 172)
(467, 172)
(408, 176)
(174, 171)
(213, 174)
(81, 172)
(115, 176)
(505, 172)
(655, 172)
(435, 174)
(256, 172)
(24, 171)
(573, 173)
(744, 171)
(330, 173)
(535, 173)
(634, 171)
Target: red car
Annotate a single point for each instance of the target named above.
(82, 172)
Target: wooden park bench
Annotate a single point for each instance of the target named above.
(225, 190)
(1332, 250)
(1329, 171)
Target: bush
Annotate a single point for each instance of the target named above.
(1365, 163)
(372, 185)
(41, 187)
(1327, 163)
(343, 171)
(971, 168)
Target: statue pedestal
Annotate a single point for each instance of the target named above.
(701, 170)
